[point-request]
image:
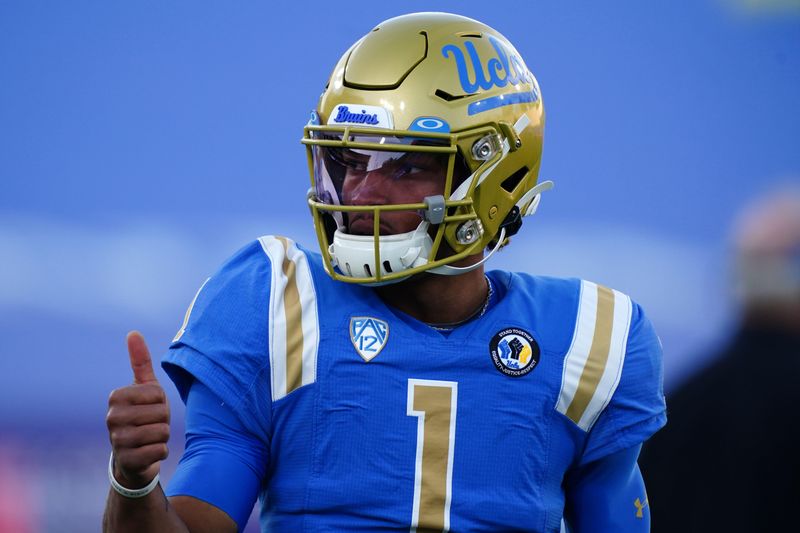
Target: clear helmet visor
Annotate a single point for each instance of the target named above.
(399, 171)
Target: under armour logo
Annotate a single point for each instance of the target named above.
(640, 507)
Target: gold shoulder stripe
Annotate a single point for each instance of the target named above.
(293, 322)
(294, 318)
(593, 364)
(598, 355)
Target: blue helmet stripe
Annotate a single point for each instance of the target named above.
(499, 101)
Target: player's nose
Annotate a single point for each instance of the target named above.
(372, 189)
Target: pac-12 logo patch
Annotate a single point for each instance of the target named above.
(368, 335)
(514, 352)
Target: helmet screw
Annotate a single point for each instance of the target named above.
(493, 211)
(486, 147)
(469, 232)
(518, 143)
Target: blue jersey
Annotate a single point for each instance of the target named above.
(374, 421)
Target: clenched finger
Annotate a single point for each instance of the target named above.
(137, 415)
(139, 436)
(138, 395)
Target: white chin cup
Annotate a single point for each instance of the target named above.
(354, 255)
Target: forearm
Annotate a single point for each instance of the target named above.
(152, 513)
(608, 495)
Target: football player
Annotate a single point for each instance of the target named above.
(389, 383)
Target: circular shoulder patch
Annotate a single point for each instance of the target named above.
(514, 352)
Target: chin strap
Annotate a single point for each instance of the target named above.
(449, 270)
(526, 206)
(530, 200)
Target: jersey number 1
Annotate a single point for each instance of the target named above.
(434, 405)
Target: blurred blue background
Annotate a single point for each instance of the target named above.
(142, 143)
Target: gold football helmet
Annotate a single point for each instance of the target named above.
(420, 94)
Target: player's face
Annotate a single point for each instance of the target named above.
(382, 178)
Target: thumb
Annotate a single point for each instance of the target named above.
(141, 364)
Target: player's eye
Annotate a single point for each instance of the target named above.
(416, 163)
(354, 161)
(348, 159)
(407, 169)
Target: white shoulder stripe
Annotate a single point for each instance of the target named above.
(189, 313)
(593, 364)
(581, 344)
(616, 357)
(293, 320)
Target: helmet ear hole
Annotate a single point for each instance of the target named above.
(511, 182)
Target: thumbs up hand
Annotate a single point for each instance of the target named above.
(138, 420)
(141, 364)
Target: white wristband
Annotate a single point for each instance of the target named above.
(128, 493)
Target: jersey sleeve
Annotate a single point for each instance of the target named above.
(637, 408)
(608, 495)
(223, 463)
(223, 342)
